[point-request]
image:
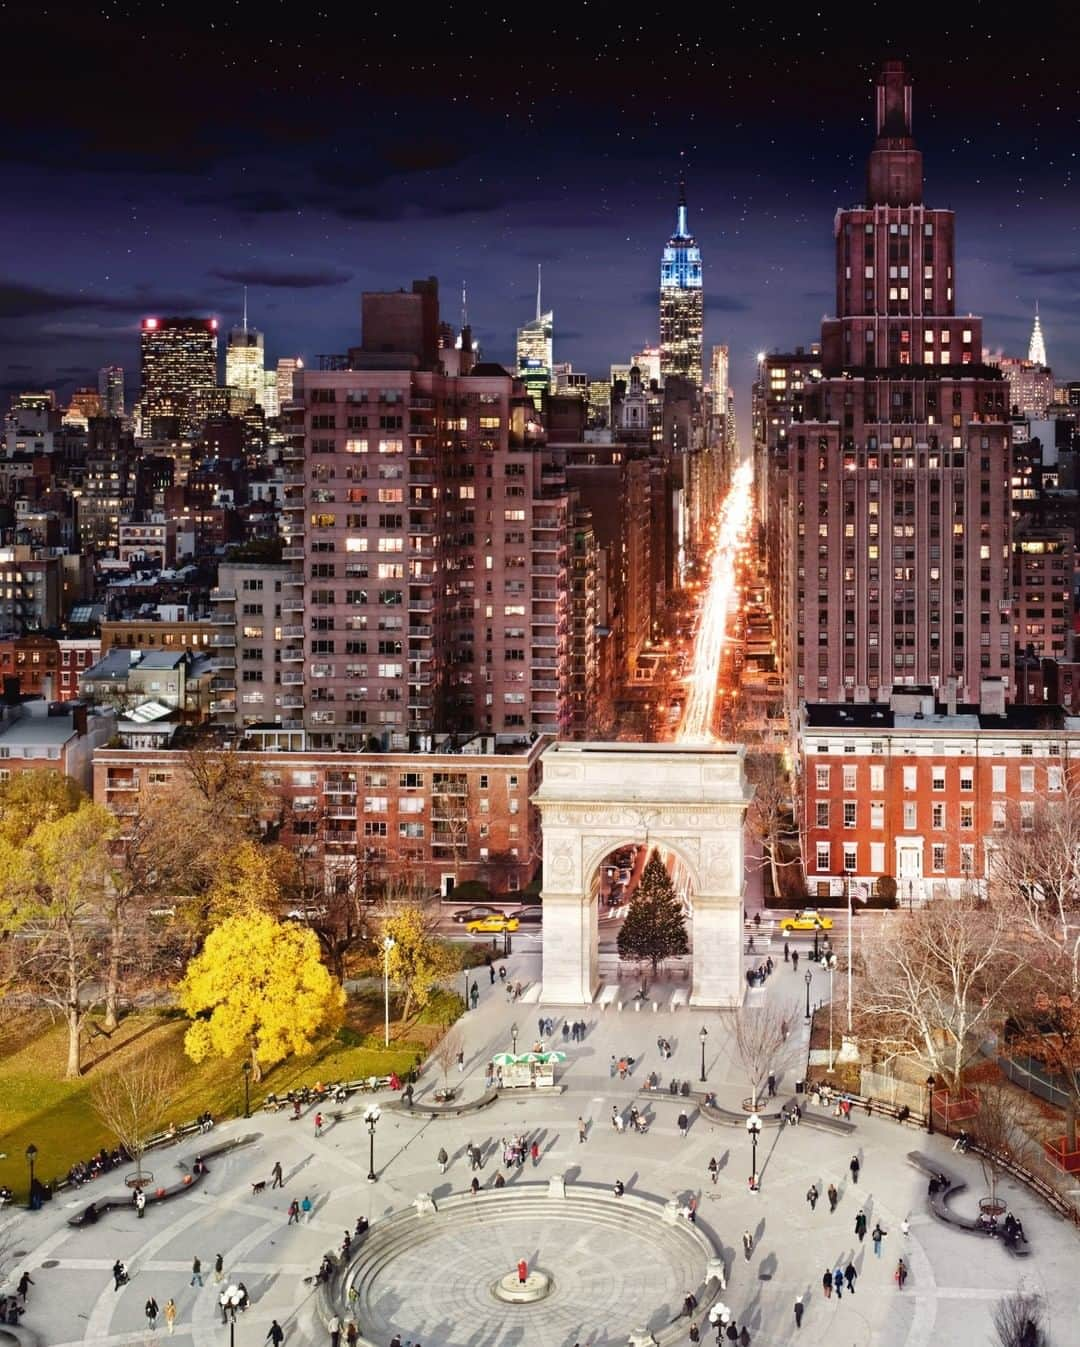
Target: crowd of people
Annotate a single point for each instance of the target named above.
(82, 1171)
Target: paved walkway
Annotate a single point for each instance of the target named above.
(955, 1279)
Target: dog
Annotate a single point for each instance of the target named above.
(259, 1187)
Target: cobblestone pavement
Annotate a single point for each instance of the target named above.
(606, 1280)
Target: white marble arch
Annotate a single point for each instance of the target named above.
(690, 800)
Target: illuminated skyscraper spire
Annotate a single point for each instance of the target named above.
(681, 299)
(539, 307)
(1037, 346)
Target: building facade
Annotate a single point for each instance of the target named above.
(178, 371)
(921, 791)
(899, 471)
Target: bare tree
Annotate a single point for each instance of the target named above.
(132, 1102)
(450, 820)
(445, 1053)
(1020, 1320)
(935, 984)
(772, 812)
(997, 1132)
(762, 1043)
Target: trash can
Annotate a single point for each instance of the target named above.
(800, 1087)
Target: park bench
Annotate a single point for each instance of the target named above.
(938, 1203)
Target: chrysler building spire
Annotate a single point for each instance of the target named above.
(1037, 346)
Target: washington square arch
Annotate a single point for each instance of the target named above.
(688, 800)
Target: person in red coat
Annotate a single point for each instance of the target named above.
(523, 1271)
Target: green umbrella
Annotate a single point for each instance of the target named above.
(504, 1058)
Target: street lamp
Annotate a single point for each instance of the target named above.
(808, 979)
(513, 1037)
(930, 1083)
(387, 945)
(753, 1126)
(371, 1117)
(701, 1039)
(232, 1301)
(466, 976)
(31, 1156)
(830, 964)
(246, 1069)
(719, 1318)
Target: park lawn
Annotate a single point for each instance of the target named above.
(57, 1115)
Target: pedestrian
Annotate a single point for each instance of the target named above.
(616, 1118)
(787, 953)
(684, 1124)
(747, 1244)
(900, 1275)
(25, 1282)
(799, 1307)
(826, 1284)
(860, 1224)
(794, 960)
(534, 1151)
(812, 1196)
(140, 1203)
(120, 1274)
(219, 1268)
(522, 1271)
(771, 1083)
(714, 1170)
(333, 1327)
(849, 1276)
(695, 1333)
(351, 1332)
(854, 1167)
(582, 1130)
(279, 1182)
(474, 995)
(196, 1272)
(170, 1314)
(461, 1060)
(877, 1235)
(276, 1334)
(833, 1195)
(475, 1185)
(540, 1026)
(306, 1208)
(838, 1283)
(294, 1213)
(566, 1031)
(151, 1311)
(443, 1159)
(500, 1182)
(905, 1227)
(744, 1336)
(491, 971)
(613, 1068)
(318, 1124)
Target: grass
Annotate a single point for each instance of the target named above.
(57, 1115)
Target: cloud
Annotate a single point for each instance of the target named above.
(32, 301)
(252, 201)
(1048, 268)
(284, 280)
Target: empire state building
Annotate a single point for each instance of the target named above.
(681, 302)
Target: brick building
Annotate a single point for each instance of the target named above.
(898, 501)
(449, 816)
(918, 790)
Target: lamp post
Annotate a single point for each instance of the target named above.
(753, 1126)
(830, 964)
(513, 1038)
(930, 1083)
(719, 1318)
(246, 1069)
(808, 979)
(31, 1156)
(232, 1302)
(387, 945)
(816, 954)
(371, 1117)
(466, 976)
(701, 1039)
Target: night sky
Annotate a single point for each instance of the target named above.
(159, 157)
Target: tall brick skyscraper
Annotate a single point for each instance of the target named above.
(899, 507)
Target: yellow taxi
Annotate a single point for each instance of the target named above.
(807, 920)
(493, 925)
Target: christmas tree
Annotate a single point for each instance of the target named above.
(654, 927)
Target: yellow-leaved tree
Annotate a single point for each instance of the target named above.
(248, 878)
(417, 961)
(259, 984)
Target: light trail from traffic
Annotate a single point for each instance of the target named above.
(716, 605)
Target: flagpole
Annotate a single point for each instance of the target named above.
(850, 950)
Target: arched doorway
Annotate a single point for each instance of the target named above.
(689, 801)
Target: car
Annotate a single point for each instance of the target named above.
(477, 913)
(529, 916)
(807, 920)
(496, 924)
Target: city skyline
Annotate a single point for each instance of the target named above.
(180, 210)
